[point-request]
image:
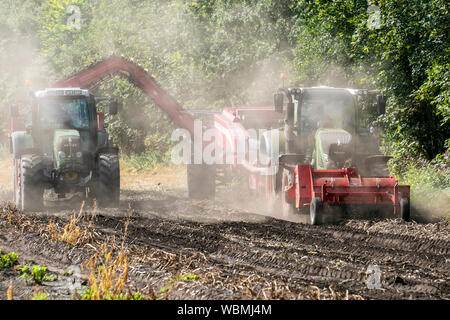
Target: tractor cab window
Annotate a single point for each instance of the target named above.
(327, 110)
(63, 113)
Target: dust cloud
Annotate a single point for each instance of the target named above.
(170, 38)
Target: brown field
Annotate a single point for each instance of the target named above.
(157, 178)
(165, 246)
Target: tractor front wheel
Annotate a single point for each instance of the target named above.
(405, 209)
(31, 184)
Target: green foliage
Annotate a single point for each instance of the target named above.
(88, 295)
(171, 283)
(37, 274)
(19, 60)
(146, 160)
(138, 296)
(429, 182)
(214, 54)
(418, 172)
(40, 296)
(8, 260)
(406, 56)
(188, 277)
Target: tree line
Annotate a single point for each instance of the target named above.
(211, 54)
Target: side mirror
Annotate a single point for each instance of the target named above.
(278, 102)
(381, 104)
(14, 110)
(113, 107)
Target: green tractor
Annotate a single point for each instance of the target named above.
(64, 146)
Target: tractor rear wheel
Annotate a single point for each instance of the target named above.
(108, 193)
(316, 211)
(201, 181)
(405, 209)
(31, 183)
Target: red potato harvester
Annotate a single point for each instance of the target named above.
(314, 148)
(317, 146)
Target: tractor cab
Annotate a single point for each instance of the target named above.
(64, 125)
(62, 147)
(329, 126)
(323, 119)
(331, 156)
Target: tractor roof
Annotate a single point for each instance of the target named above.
(328, 89)
(62, 92)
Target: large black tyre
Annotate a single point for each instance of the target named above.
(405, 211)
(201, 181)
(16, 179)
(287, 203)
(316, 211)
(273, 192)
(31, 183)
(108, 190)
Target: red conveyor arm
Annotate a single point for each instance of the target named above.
(104, 70)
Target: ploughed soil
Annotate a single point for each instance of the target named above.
(179, 248)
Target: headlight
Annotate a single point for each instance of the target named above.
(61, 154)
(78, 154)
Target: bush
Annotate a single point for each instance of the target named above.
(108, 278)
(419, 172)
(40, 296)
(429, 181)
(8, 260)
(146, 160)
(38, 274)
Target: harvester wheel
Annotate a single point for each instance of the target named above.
(316, 211)
(287, 207)
(201, 181)
(108, 194)
(31, 183)
(273, 202)
(405, 209)
(273, 194)
(287, 203)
